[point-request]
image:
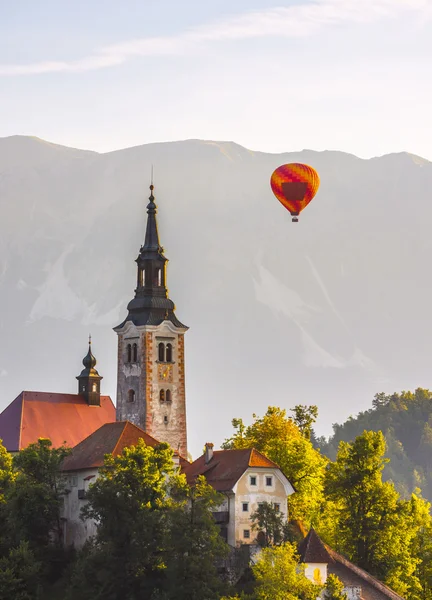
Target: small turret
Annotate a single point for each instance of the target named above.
(89, 379)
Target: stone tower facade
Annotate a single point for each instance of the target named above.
(151, 376)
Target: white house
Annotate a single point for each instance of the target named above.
(246, 478)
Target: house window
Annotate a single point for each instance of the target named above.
(129, 353)
(276, 507)
(245, 506)
(169, 353)
(168, 396)
(162, 396)
(246, 534)
(161, 352)
(166, 420)
(131, 396)
(269, 481)
(74, 481)
(253, 479)
(135, 353)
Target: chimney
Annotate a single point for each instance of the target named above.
(208, 452)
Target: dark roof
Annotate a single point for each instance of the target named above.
(312, 549)
(63, 418)
(370, 585)
(226, 467)
(111, 438)
(151, 305)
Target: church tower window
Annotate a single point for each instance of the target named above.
(169, 353)
(161, 352)
(159, 277)
(168, 396)
(131, 396)
(135, 353)
(129, 353)
(162, 396)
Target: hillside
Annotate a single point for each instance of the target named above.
(406, 421)
(328, 311)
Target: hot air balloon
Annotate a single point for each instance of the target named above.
(294, 185)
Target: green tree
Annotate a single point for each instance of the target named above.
(304, 418)
(376, 529)
(20, 574)
(156, 537)
(129, 500)
(279, 576)
(195, 544)
(279, 438)
(270, 524)
(334, 588)
(35, 499)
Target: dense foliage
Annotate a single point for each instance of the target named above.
(157, 538)
(406, 422)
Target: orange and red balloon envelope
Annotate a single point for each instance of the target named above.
(294, 185)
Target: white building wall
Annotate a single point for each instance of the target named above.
(245, 492)
(316, 572)
(77, 531)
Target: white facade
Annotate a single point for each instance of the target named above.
(77, 531)
(256, 485)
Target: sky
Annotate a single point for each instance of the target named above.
(274, 76)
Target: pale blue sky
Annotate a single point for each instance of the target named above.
(351, 75)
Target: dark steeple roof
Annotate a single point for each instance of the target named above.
(89, 379)
(89, 362)
(312, 549)
(151, 305)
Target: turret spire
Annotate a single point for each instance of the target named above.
(89, 379)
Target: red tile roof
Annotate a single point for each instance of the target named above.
(60, 417)
(226, 467)
(111, 438)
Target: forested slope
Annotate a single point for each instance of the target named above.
(406, 420)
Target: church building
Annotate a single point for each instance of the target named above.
(151, 375)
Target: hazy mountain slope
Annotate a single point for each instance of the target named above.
(326, 311)
(406, 420)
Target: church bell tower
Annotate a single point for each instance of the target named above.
(150, 376)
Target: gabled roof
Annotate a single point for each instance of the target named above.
(226, 467)
(63, 418)
(312, 549)
(111, 438)
(367, 580)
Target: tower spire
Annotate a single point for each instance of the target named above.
(151, 241)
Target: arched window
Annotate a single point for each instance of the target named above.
(159, 277)
(317, 576)
(166, 420)
(94, 386)
(143, 277)
(135, 353)
(161, 352)
(168, 396)
(169, 353)
(131, 396)
(162, 396)
(129, 353)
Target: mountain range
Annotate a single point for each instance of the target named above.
(327, 311)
